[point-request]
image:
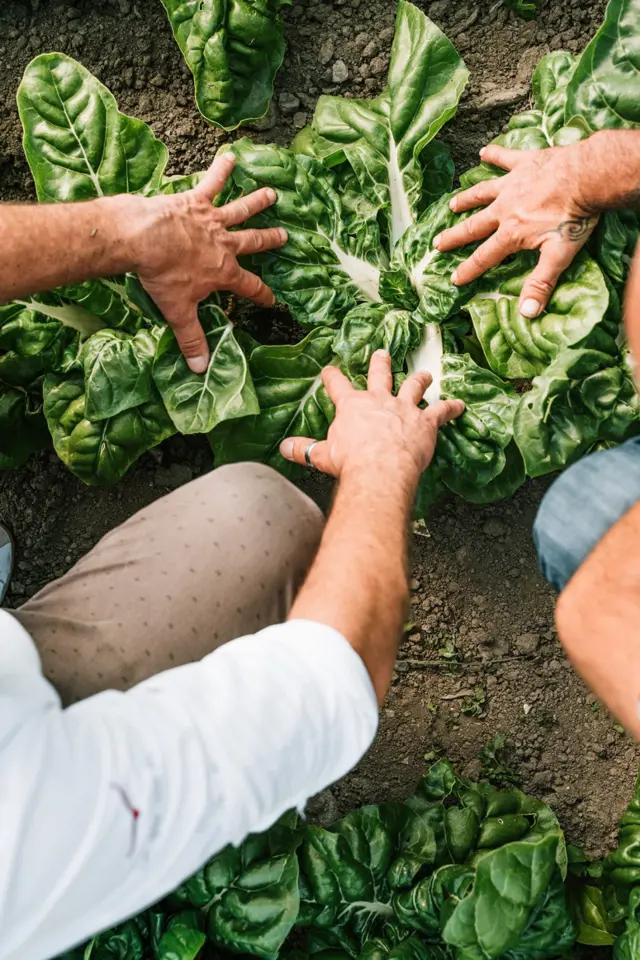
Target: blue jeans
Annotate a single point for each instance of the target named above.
(583, 503)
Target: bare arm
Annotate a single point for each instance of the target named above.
(378, 446)
(550, 200)
(598, 620)
(179, 245)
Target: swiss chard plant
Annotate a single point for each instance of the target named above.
(362, 192)
(458, 871)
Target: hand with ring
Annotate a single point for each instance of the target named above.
(372, 426)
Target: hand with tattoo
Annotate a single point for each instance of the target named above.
(539, 205)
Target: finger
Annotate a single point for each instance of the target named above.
(380, 378)
(477, 227)
(414, 387)
(501, 156)
(336, 384)
(295, 449)
(190, 336)
(489, 254)
(555, 257)
(216, 176)
(255, 241)
(443, 411)
(477, 196)
(245, 284)
(237, 211)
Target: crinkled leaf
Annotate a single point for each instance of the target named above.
(517, 347)
(503, 486)
(100, 452)
(372, 327)
(234, 49)
(471, 449)
(332, 258)
(429, 902)
(622, 866)
(419, 275)
(111, 300)
(180, 184)
(199, 402)
(183, 939)
(117, 371)
(256, 913)
(77, 143)
(614, 243)
(23, 428)
(605, 88)
(438, 171)
(589, 913)
(383, 138)
(292, 399)
(124, 942)
(628, 945)
(583, 396)
(511, 886)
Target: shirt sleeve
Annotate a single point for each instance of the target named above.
(116, 800)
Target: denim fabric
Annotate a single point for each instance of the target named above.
(583, 503)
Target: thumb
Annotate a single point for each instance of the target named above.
(555, 257)
(190, 336)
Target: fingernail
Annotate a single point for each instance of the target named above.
(286, 448)
(284, 236)
(436, 241)
(271, 194)
(198, 364)
(530, 308)
(381, 353)
(482, 152)
(453, 203)
(454, 276)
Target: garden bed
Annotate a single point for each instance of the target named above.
(481, 636)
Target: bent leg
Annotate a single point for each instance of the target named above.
(581, 506)
(220, 557)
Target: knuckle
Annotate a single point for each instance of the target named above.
(541, 285)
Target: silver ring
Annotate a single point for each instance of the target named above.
(307, 454)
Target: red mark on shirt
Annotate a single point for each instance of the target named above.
(134, 813)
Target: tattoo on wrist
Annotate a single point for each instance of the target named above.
(573, 230)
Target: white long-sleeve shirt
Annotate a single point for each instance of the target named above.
(109, 804)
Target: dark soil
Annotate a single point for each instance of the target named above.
(482, 636)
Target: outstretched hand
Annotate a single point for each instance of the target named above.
(187, 252)
(373, 428)
(538, 205)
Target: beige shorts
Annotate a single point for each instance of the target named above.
(219, 558)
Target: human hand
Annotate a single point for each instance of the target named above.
(538, 205)
(185, 251)
(373, 428)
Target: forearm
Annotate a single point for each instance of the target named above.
(608, 170)
(49, 245)
(598, 619)
(358, 583)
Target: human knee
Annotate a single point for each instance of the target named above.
(283, 519)
(581, 506)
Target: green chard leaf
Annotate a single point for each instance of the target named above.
(117, 371)
(234, 49)
(627, 946)
(292, 402)
(333, 257)
(614, 243)
(100, 452)
(23, 428)
(516, 347)
(605, 89)
(197, 403)
(525, 9)
(419, 275)
(77, 143)
(373, 327)
(583, 397)
(183, 939)
(622, 867)
(383, 139)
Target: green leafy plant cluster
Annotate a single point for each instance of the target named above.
(458, 871)
(362, 192)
